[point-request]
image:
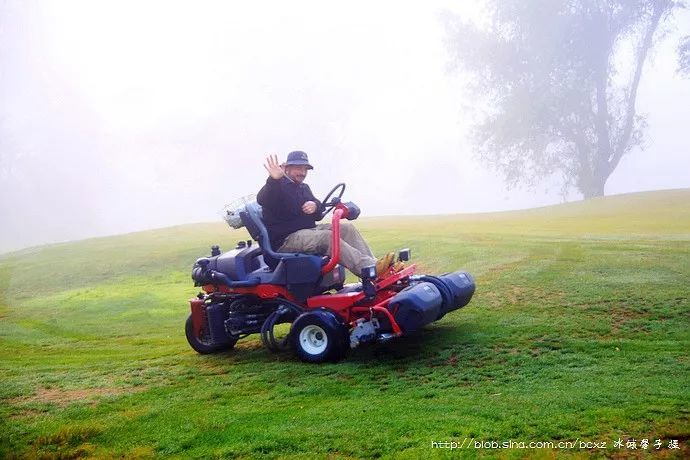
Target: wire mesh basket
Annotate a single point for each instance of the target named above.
(231, 211)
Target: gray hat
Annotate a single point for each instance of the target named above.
(298, 158)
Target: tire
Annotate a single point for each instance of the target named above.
(319, 336)
(203, 345)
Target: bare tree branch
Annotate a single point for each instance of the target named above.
(660, 7)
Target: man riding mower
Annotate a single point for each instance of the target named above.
(254, 289)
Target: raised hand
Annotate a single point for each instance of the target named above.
(309, 207)
(273, 167)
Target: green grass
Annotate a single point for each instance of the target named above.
(579, 329)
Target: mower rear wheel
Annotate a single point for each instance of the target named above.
(318, 336)
(203, 345)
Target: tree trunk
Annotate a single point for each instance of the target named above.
(594, 188)
(607, 155)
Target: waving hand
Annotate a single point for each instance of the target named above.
(273, 167)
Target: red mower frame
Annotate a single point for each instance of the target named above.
(349, 306)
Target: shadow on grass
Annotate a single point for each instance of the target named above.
(421, 348)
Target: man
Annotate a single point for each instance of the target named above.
(290, 213)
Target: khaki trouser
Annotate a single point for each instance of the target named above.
(354, 251)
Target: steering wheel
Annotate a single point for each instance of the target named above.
(333, 199)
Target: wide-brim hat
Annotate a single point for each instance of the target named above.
(298, 158)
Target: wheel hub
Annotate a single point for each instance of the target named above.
(313, 339)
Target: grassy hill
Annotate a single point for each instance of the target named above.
(579, 329)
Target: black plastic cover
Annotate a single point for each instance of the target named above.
(236, 264)
(352, 210)
(216, 314)
(416, 306)
(461, 286)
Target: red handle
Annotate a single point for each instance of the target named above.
(339, 213)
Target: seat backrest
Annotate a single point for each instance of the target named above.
(253, 219)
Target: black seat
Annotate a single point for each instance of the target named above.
(300, 272)
(254, 221)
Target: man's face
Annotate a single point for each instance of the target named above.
(296, 173)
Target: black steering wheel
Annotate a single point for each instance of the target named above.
(329, 205)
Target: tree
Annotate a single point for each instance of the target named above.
(684, 56)
(559, 79)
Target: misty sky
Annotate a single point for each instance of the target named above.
(124, 115)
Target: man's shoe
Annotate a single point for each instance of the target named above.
(399, 265)
(384, 263)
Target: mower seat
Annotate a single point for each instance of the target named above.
(253, 219)
(301, 273)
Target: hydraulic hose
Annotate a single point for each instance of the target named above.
(285, 313)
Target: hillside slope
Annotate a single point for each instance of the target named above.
(579, 329)
(662, 214)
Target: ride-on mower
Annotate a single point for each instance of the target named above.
(252, 289)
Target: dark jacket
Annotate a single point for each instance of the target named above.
(281, 201)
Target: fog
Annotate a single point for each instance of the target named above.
(123, 116)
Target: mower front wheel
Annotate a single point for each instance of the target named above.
(318, 336)
(203, 345)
